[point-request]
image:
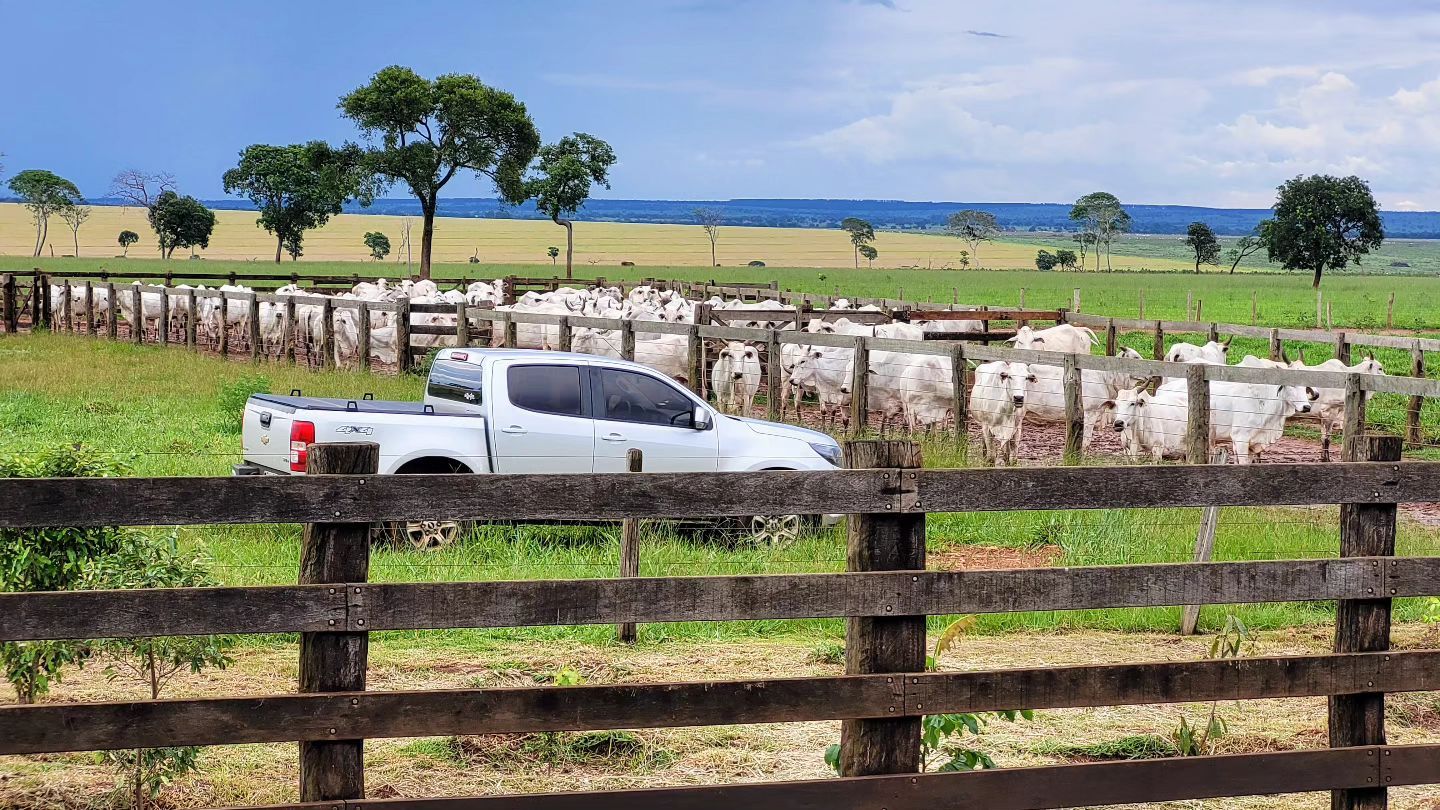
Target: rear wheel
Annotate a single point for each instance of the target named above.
(423, 535)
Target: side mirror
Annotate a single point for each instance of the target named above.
(700, 418)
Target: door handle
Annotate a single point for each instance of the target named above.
(514, 429)
(612, 437)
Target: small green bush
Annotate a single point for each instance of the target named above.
(230, 401)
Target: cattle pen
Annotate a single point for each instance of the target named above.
(415, 334)
(885, 596)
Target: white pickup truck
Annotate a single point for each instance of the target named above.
(524, 411)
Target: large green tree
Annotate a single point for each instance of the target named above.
(299, 187)
(1101, 216)
(1203, 244)
(563, 177)
(974, 228)
(861, 233)
(1322, 223)
(429, 131)
(180, 222)
(44, 193)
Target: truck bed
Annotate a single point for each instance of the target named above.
(292, 404)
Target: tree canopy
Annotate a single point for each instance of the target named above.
(430, 130)
(710, 220)
(563, 176)
(127, 238)
(378, 243)
(1322, 223)
(1202, 242)
(44, 193)
(861, 233)
(180, 222)
(297, 188)
(974, 228)
(1102, 217)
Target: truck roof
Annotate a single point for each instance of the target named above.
(476, 356)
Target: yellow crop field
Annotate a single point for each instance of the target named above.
(514, 241)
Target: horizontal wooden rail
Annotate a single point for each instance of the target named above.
(53, 728)
(1034, 788)
(524, 603)
(614, 496)
(1258, 332)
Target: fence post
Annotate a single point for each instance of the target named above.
(292, 330)
(254, 329)
(1275, 348)
(190, 337)
(1197, 420)
(67, 318)
(137, 316)
(697, 359)
(630, 546)
(462, 325)
(112, 310)
(162, 326)
(567, 335)
(1189, 303)
(960, 394)
(1363, 625)
(1390, 312)
(1074, 410)
(884, 542)
(1214, 335)
(1141, 316)
(860, 387)
(1159, 341)
(1319, 322)
(627, 340)
(89, 308)
(362, 335)
(509, 333)
(774, 395)
(1111, 337)
(1342, 348)
(222, 337)
(1412, 412)
(1354, 426)
(1075, 300)
(327, 333)
(1254, 309)
(336, 554)
(1204, 550)
(7, 303)
(39, 313)
(402, 332)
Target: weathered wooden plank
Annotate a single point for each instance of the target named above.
(283, 499)
(1034, 788)
(984, 315)
(53, 728)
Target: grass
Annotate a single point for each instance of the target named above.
(166, 409)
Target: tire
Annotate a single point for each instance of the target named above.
(423, 535)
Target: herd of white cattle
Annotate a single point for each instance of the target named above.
(914, 389)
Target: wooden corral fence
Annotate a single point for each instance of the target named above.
(475, 326)
(885, 595)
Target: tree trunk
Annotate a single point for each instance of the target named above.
(279, 244)
(427, 235)
(569, 245)
(712, 251)
(76, 234)
(1316, 285)
(857, 257)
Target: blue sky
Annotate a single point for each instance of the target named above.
(1210, 102)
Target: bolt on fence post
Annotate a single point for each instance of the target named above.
(630, 546)
(1363, 625)
(886, 643)
(336, 554)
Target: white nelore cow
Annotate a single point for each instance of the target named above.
(1329, 405)
(1045, 399)
(1212, 353)
(1251, 416)
(1059, 338)
(927, 391)
(735, 378)
(997, 402)
(1148, 423)
(827, 371)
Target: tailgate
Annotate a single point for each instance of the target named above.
(265, 435)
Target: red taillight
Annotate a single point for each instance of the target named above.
(461, 356)
(302, 435)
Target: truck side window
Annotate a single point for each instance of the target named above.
(630, 397)
(547, 389)
(455, 381)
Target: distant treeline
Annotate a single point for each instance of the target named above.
(891, 214)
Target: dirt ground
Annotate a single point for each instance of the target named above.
(260, 774)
